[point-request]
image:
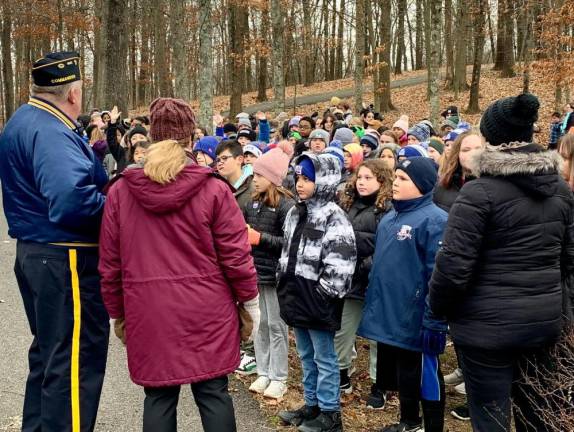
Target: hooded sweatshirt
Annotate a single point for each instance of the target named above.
(319, 254)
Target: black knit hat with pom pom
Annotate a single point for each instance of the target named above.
(510, 119)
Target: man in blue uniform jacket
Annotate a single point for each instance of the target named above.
(51, 189)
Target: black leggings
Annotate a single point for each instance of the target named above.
(211, 397)
(400, 370)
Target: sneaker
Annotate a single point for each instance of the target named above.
(346, 386)
(296, 417)
(455, 378)
(327, 421)
(377, 399)
(276, 390)
(460, 389)
(403, 427)
(248, 366)
(461, 412)
(259, 385)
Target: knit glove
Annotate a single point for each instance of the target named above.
(434, 342)
(120, 329)
(252, 309)
(254, 236)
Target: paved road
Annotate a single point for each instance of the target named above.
(326, 96)
(122, 401)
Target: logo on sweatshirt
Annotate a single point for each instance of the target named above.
(405, 233)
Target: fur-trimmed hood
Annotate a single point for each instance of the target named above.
(533, 171)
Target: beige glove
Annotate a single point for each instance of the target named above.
(250, 316)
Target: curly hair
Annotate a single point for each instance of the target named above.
(385, 177)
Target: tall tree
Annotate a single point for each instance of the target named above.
(178, 31)
(205, 64)
(359, 53)
(277, 21)
(401, 12)
(100, 67)
(419, 29)
(507, 38)
(340, 43)
(116, 91)
(434, 59)
(7, 72)
(262, 57)
(462, 30)
(236, 63)
(161, 51)
(449, 46)
(306, 49)
(479, 21)
(383, 88)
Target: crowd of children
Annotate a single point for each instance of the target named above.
(345, 217)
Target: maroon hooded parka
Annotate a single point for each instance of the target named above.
(174, 261)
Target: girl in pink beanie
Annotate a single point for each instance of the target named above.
(353, 157)
(401, 128)
(265, 214)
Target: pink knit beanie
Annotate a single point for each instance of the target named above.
(402, 123)
(274, 164)
(171, 119)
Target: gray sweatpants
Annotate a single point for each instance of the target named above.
(272, 340)
(345, 337)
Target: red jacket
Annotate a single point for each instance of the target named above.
(174, 260)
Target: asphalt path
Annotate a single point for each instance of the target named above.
(121, 402)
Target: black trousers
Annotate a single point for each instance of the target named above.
(211, 397)
(60, 288)
(492, 379)
(401, 370)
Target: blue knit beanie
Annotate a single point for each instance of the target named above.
(422, 171)
(420, 131)
(305, 167)
(206, 145)
(413, 150)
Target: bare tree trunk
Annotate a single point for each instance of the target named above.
(340, 36)
(262, 64)
(419, 35)
(236, 64)
(449, 46)
(205, 64)
(100, 61)
(359, 53)
(411, 43)
(462, 23)
(161, 51)
(508, 59)
(479, 37)
(179, 33)
(145, 61)
(307, 44)
(384, 89)
(401, 12)
(277, 21)
(7, 72)
(116, 91)
(434, 59)
(333, 49)
(499, 58)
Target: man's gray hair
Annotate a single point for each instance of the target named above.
(60, 92)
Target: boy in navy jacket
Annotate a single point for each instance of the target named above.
(396, 312)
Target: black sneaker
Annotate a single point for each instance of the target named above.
(296, 417)
(377, 399)
(346, 386)
(403, 427)
(461, 412)
(327, 421)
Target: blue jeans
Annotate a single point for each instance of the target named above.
(321, 379)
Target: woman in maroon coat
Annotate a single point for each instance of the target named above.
(175, 262)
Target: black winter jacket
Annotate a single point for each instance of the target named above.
(445, 197)
(119, 153)
(497, 275)
(365, 218)
(269, 222)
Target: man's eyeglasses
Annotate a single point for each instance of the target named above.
(222, 159)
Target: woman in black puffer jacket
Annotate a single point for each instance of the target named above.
(366, 199)
(265, 215)
(497, 275)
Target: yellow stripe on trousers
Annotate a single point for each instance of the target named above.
(75, 363)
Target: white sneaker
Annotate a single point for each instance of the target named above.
(259, 385)
(275, 390)
(460, 389)
(248, 366)
(454, 378)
